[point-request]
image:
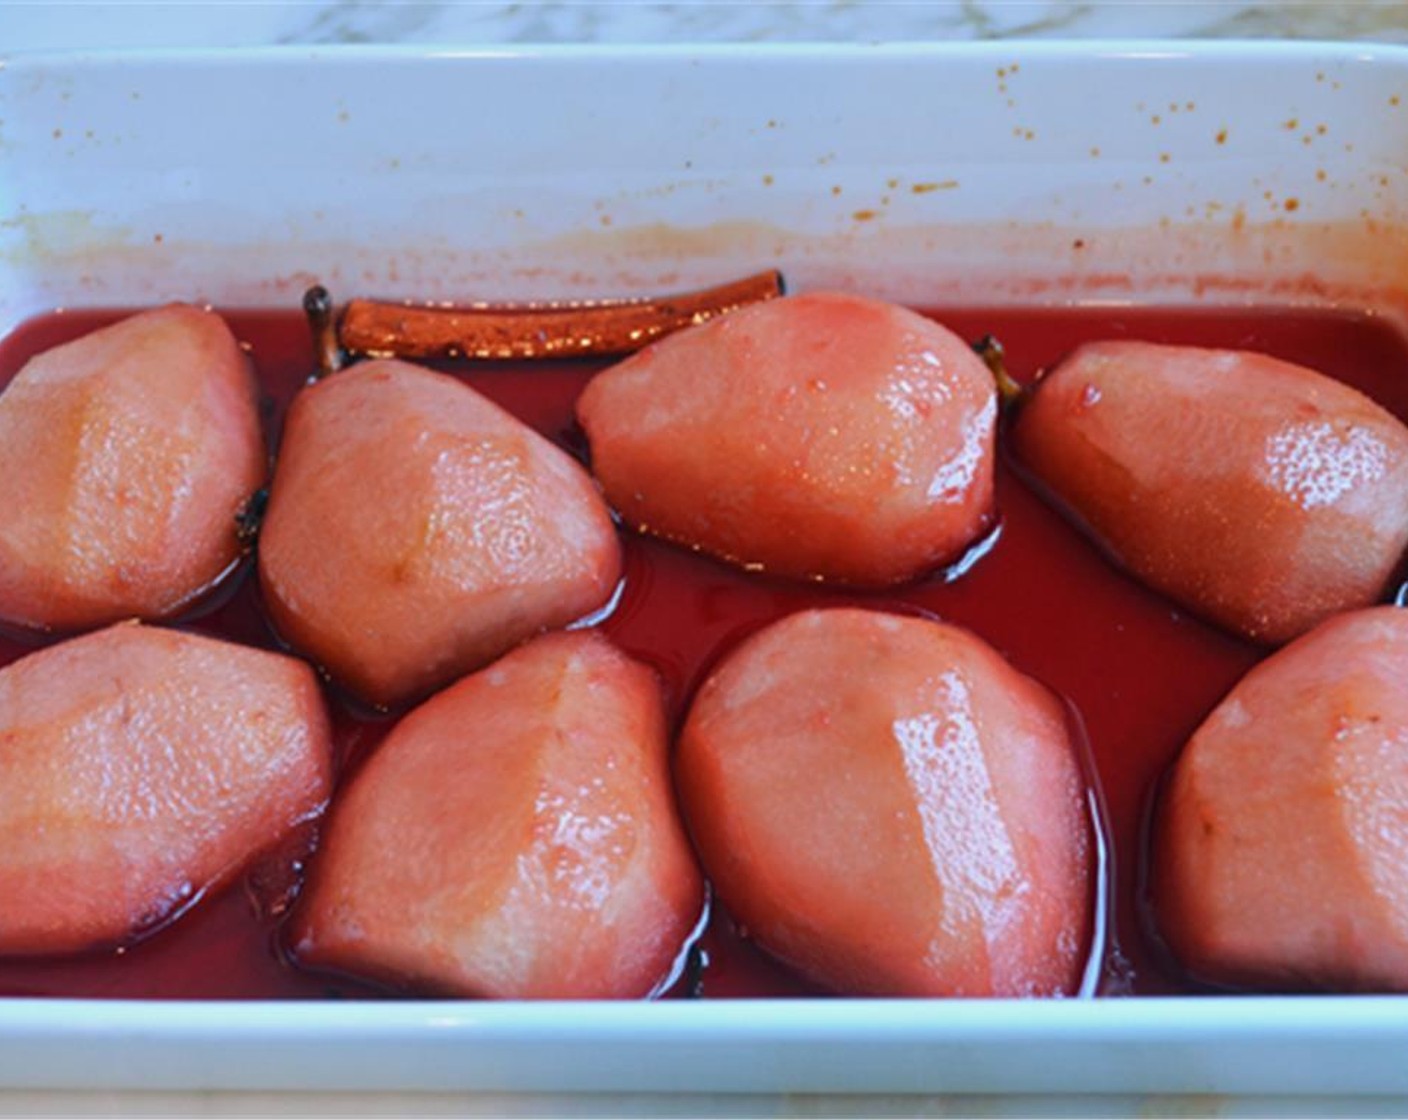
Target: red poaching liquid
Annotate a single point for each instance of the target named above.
(1141, 673)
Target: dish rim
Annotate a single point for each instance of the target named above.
(1109, 1021)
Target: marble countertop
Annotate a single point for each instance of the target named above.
(63, 26)
(88, 26)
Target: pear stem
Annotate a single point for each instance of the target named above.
(250, 518)
(1010, 391)
(317, 306)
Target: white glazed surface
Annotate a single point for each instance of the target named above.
(985, 174)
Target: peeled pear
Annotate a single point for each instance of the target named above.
(126, 457)
(514, 837)
(819, 436)
(1259, 494)
(1280, 854)
(416, 531)
(141, 768)
(887, 805)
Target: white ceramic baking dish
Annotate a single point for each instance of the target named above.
(977, 174)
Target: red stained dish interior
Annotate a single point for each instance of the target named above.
(1141, 673)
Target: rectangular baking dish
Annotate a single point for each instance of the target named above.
(980, 174)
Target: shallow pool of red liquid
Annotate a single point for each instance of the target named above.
(1141, 673)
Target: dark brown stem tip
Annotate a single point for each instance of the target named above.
(250, 518)
(1009, 391)
(318, 308)
(316, 302)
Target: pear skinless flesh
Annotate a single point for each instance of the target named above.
(1260, 495)
(815, 436)
(1281, 842)
(125, 458)
(139, 768)
(416, 531)
(887, 805)
(515, 836)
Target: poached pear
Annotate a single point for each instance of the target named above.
(886, 804)
(820, 436)
(141, 768)
(126, 457)
(1259, 494)
(1281, 842)
(415, 531)
(515, 836)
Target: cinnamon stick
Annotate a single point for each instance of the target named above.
(558, 329)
